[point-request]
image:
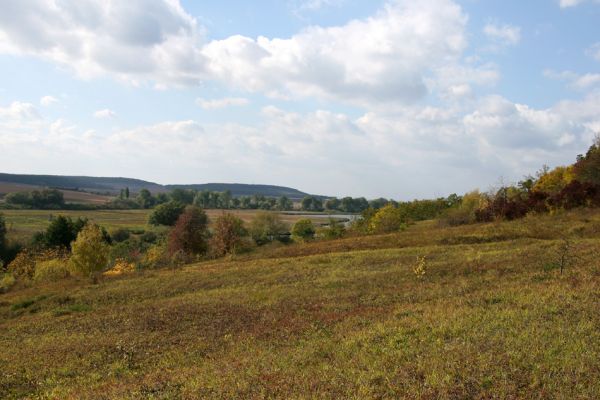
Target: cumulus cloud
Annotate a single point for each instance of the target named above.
(133, 40)
(47, 101)
(503, 34)
(390, 57)
(105, 114)
(453, 148)
(213, 104)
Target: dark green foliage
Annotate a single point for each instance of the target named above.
(120, 235)
(284, 204)
(312, 203)
(166, 214)
(61, 232)
(332, 204)
(266, 227)
(182, 196)
(47, 199)
(149, 237)
(145, 199)
(303, 230)
(587, 168)
(190, 233)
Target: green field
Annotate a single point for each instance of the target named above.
(23, 224)
(492, 318)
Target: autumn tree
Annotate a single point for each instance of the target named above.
(90, 252)
(228, 234)
(190, 233)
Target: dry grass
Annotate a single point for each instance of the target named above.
(341, 319)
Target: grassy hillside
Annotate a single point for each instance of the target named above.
(491, 318)
(70, 196)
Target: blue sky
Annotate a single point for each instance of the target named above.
(393, 98)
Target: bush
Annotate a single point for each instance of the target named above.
(6, 282)
(149, 237)
(166, 214)
(228, 235)
(120, 267)
(157, 256)
(60, 233)
(303, 230)
(120, 235)
(266, 227)
(25, 262)
(51, 270)
(90, 251)
(335, 230)
(465, 212)
(190, 233)
(388, 219)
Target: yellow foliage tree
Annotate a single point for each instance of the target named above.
(388, 219)
(90, 251)
(554, 181)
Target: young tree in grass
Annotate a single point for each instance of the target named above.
(266, 227)
(90, 252)
(303, 230)
(190, 233)
(227, 235)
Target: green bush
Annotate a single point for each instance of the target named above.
(166, 214)
(387, 220)
(90, 251)
(335, 230)
(51, 270)
(266, 227)
(228, 235)
(120, 235)
(6, 282)
(303, 230)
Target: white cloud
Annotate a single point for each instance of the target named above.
(105, 114)
(211, 104)
(313, 5)
(576, 81)
(503, 34)
(573, 3)
(391, 57)
(47, 101)
(134, 40)
(453, 148)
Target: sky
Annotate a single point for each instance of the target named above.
(400, 99)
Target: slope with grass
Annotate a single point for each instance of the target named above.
(491, 318)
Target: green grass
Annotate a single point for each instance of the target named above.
(340, 319)
(23, 224)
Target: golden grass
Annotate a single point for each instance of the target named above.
(491, 318)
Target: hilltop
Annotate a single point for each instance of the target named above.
(113, 185)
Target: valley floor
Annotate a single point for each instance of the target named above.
(492, 317)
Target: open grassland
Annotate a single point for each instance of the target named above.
(23, 224)
(491, 318)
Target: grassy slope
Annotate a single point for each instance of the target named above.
(487, 321)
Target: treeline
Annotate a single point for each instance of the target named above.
(46, 199)
(562, 188)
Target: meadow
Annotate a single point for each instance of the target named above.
(492, 316)
(23, 224)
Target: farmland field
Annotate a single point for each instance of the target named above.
(492, 317)
(71, 196)
(23, 224)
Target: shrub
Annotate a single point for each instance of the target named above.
(335, 230)
(190, 233)
(388, 219)
(228, 234)
(120, 267)
(266, 227)
(149, 237)
(157, 256)
(167, 213)
(466, 211)
(51, 270)
(25, 262)
(60, 233)
(120, 235)
(90, 251)
(6, 282)
(303, 230)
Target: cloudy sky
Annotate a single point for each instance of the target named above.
(400, 98)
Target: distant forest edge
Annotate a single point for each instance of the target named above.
(113, 186)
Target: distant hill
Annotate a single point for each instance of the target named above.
(239, 189)
(114, 185)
